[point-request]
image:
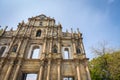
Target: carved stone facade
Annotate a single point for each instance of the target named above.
(40, 47)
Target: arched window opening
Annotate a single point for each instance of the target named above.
(38, 34)
(2, 49)
(66, 53)
(35, 53)
(14, 49)
(54, 49)
(78, 51)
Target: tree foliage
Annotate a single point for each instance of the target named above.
(106, 67)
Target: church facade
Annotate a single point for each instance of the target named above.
(40, 48)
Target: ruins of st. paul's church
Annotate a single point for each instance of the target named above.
(39, 47)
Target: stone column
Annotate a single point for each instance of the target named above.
(58, 30)
(19, 45)
(50, 47)
(59, 46)
(40, 71)
(74, 47)
(44, 46)
(59, 70)
(48, 70)
(24, 47)
(83, 71)
(87, 70)
(1, 64)
(11, 43)
(17, 70)
(52, 23)
(25, 32)
(82, 47)
(78, 71)
(71, 33)
(9, 70)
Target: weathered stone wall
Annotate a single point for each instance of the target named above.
(16, 61)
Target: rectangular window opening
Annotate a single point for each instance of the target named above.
(29, 76)
(66, 53)
(68, 78)
(35, 54)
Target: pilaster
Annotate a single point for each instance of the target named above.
(59, 45)
(17, 70)
(41, 71)
(50, 51)
(48, 69)
(9, 70)
(78, 69)
(87, 70)
(82, 46)
(44, 45)
(59, 69)
(74, 46)
(1, 64)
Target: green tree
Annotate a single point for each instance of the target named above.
(106, 66)
(99, 70)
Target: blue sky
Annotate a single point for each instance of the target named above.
(98, 20)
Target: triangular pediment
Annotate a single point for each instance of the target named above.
(40, 17)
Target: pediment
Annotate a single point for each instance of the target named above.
(40, 17)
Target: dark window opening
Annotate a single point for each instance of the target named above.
(2, 50)
(54, 49)
(68, 78)
(66, 53)
(78, 51)
(14, 49)
(24, 76)
(38, 34)
(41, 23)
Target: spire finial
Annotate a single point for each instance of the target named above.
(78, 30)
(6, 27)
(66, 30)
(11, 29)
(71, 30)
(22, 21)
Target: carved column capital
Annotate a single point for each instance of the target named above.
(59, 61)
(42, 63)
(19, 62)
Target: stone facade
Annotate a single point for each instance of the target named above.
(40, 47)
